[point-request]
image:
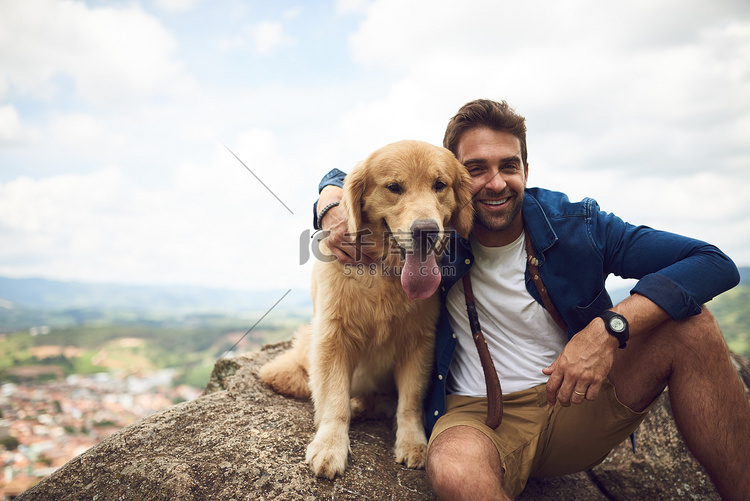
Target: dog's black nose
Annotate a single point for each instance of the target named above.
(425, 232)
(424, 228)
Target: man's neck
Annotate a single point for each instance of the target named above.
(499, 238)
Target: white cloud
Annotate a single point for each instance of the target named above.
(111, 54)
(344, 7)
(10, 124)
(176, 6)
(292, 13)
(262, 38)
(82, 131)
(214, 225)
(12, 131)
(490, 27)
(267, 36)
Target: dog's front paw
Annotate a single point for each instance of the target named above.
(412, 455)
(327, 454)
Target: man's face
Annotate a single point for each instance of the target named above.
(498, 174)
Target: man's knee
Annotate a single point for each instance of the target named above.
(651, 361)
(463, 456)
(445, 457)
(700, 332)
(445, 474)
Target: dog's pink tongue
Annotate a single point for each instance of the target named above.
(420, 279)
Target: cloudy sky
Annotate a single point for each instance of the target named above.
(117, 120)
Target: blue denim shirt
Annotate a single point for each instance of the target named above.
(578, 246)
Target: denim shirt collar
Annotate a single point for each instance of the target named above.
(543, 237)
(460, 256)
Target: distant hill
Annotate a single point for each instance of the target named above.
(33, 302)
(41, 294)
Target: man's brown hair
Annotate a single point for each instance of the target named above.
(494, 115)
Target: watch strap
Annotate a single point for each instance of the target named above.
(623, 336)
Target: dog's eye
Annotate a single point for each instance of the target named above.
(439, 186)
(394, 188)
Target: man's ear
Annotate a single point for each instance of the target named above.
(525, 174)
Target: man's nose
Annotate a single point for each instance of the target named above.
(496, 183)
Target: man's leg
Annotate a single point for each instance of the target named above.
(462, 463)
(707, 396)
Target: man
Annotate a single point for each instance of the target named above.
(572, 389)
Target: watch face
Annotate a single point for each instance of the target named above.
(617, 325)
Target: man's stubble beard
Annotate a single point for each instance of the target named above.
(500, 221)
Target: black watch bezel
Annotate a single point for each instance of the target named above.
(622, 336)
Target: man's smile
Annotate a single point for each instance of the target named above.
(495, 202)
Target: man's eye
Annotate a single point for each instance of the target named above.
(439, 186)
(394, 188)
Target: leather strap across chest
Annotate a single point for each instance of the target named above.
(492, 381)
(533, 264)
(494, 391)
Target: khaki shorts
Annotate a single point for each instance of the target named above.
(537, 440)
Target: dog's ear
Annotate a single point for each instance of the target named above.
(463, 215)
(354, 190)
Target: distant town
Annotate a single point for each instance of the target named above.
(44, 425)
(78, 362)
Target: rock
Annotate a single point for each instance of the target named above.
(241, 441)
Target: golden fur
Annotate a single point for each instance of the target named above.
(366, 333)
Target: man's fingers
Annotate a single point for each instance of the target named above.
(565, 395)
(592, 392)
(553, 386)
(578, 396)
(345, 251)
(342, 256)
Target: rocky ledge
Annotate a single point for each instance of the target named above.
(241, 441)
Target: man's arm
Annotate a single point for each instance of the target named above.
(334, 178)
(676, 276)
(335, 220)
(677, 273)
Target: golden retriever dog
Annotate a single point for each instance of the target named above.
(374, 326)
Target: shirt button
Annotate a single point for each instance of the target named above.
(468, 261)
(454, 335)
(440, 377)
(436, 413)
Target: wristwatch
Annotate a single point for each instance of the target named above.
(616, 325)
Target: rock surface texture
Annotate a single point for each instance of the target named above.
(241, 441)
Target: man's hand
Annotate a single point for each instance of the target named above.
(587, 359)
(335, 222)
(582, 366)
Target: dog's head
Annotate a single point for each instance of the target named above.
(411, 191)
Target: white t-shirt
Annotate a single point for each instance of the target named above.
(522, 337)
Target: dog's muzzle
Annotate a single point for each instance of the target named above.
(420, 276)
(425, 233)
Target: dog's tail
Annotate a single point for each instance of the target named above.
(287, 373)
